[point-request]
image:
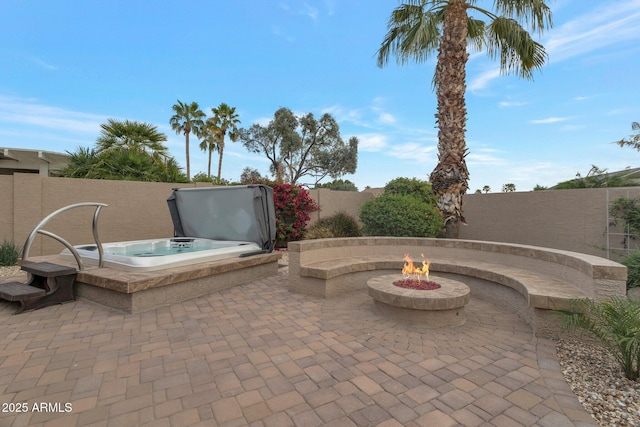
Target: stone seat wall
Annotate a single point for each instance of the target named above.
(545, 279)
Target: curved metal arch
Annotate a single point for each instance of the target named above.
(38, 229)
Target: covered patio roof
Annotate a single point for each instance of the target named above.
(19, 160)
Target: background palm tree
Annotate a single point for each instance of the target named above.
(132, 135)
(210, 141)
(418, 27)
(225, 119)
(187, 118)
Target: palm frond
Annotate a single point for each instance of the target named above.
(616, 324)
(413, 34)
(518, 52)
(533, 12)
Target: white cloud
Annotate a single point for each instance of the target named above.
(371, 142)
(310, 11)
(40, 63)
(387, 118)
(484, 158)
(617, 112)
(609, 25)
(14, 111)
(331, 7)
(549, 120)
(483, 79)
(413, 151)
(507, 104)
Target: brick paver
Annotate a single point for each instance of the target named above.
(260, 355)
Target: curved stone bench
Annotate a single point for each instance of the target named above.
(531, 280)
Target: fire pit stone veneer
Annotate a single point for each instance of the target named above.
(432, 308)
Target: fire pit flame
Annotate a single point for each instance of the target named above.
(411, 272)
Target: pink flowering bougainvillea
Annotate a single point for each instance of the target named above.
(293, 206)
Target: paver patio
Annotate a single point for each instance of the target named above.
(259, 355)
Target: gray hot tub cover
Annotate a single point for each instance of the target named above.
(243, 213)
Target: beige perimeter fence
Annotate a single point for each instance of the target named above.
(574, 220)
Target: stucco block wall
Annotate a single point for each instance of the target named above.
(573, 220)
(137, 210)
(6, 207)
(331, 202)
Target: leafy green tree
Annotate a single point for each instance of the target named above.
(225, 120)
(268, 140)
(339, 185)
(486, 189)
(250, 175)
(132, 135)
(508, 188)
(187, 118)
(304, 146)
(540, 188)
(632, 141)
(417, 28)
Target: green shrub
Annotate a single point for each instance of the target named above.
(319, 231)
(400, 215)
(411, 187)
(339, 185)
(632, 262)
(9, 254)
(339, 224)
(616, 324)
(202, 177)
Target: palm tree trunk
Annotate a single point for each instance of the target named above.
(186, 143)
(209, 166)
(220, 150)
(449, 179)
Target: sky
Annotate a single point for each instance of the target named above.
(68, 66)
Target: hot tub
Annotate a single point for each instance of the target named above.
(159, 254)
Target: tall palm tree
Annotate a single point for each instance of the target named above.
(225, 119)
(210, 141)
(187, 118)
(417, 28)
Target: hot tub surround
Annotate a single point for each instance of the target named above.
(135, 292)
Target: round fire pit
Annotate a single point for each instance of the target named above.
(434, 308)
